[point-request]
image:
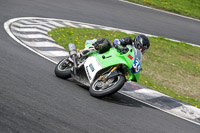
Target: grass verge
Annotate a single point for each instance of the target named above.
(172, 68)
(189, 8)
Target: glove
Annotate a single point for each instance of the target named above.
(116, 42)
(124, 50)
(126, 41)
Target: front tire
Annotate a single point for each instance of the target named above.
(98, 90)
(62, 69)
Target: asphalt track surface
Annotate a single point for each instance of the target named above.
(32, 99)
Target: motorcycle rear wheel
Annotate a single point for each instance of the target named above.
(97, 90)
(62, 69)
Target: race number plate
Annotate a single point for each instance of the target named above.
(92, 66)
(136, 67)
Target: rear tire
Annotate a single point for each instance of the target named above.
(62, 69)
(97, 91)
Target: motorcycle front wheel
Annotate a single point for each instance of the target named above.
(100, 88)
(62, 69)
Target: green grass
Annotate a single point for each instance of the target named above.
(169, 67)
(189, 8)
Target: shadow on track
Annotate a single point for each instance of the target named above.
(116, 98)
(121, 99)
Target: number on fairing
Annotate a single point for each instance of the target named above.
(92, 66)
(136, 65)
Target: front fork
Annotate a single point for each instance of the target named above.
(110, 74)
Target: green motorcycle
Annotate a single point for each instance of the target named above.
(104, 73)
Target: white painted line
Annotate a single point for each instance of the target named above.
(70, 24)
(160, 10)
(33, 24)
(49, 25)
(39, 26)
(86, 26)
(108, 28)
(6, 27)
(28, 30)
(28, 23)
(34, 36)
(56, 24)
(39, 21)
(129, 32)
(44, 23)
(42, 44)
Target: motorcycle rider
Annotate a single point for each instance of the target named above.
(139, 44)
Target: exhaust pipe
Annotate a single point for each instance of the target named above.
(73, 54)
(72, 49)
